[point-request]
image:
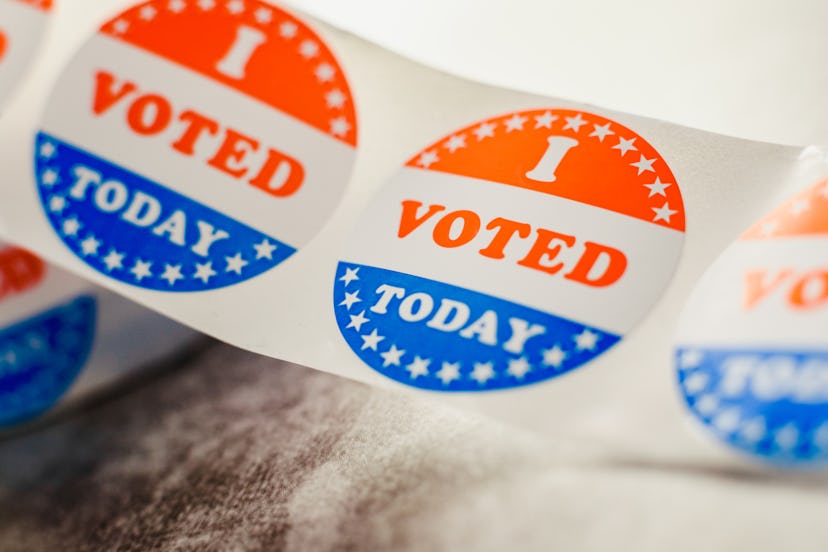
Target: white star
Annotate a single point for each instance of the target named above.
(71, 226)
(449, 372)
(657, 187)
(663, 213)
(120, 26)
(176, 6)
(206, 5)
(371, 340)
(141, 270)
(787, 437)
(49, 177)
(351, 274)
(753, 431)
(545, 120)
(148, 13)
(586, 340)
(57, 204)
(691, 359)
(799, 206)
(235, 7)
(204, 272)
(340, 126)
(172, 274)
(769, 227)
(325, 72)
(485, 130)
(236, 263)
(264, 15)
(455, 143)
(427, 159)
(357, 321)
(47, 150)
(335, 98)
(418, 368)
(90, 246)
(10, 356)
(519, 367)
(820, 438)
(288, 29)
(574, 123)
(392, 356)
(707, 404)
(554, 357)
(644, 164)
(308, 49)
(264, 250)
(727, 421)
(696, 383)
(516, 122)
(601, 131)
(482, 372)
(350, 300)
(625, 145)
(35, 341)
(114, 260)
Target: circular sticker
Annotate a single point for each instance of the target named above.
(510, 252)
(193, 145)
(752, 348)
(46, 333)
(22, 24)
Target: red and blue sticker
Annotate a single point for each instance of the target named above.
(192, 145)
(22, 25)
(510, 252)
(752, 348)
(46, 334)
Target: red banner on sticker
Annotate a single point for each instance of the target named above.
(571, 154)
(805, 214)
(253, 47)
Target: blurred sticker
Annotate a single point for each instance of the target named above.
(193, 145)
(22, 24)
(510, 252)
(752, 348)
(47, 327)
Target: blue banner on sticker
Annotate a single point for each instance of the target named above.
(769, 403)
(41, 357)
(441, 337)
(141, 232)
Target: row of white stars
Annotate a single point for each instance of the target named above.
(798, 206)
(308, 49)
(450, 371)
(114, 260)
(555, 356)
(729, 420)
(517, 122)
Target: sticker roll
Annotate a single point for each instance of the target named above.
(140, 140)
(62, 338)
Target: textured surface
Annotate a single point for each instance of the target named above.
(236, 452)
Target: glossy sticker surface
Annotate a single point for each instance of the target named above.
(193, 145)
(752, 353)
(47, 327)
(22, 24)
(510, 252)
